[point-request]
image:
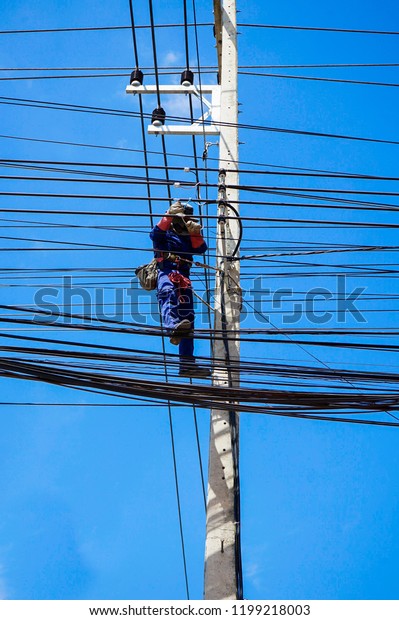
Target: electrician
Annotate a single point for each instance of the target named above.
(178, 236)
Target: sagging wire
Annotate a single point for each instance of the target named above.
(161, 113)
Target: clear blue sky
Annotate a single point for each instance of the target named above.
(87, 493)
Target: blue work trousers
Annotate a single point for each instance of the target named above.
(175, 305)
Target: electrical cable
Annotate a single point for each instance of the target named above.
(127, 113)
(209, 396)
(240, 25)
(170, 416)
(124, 149)
(206, 68)
(314, 79)
(95, 28)
(43, 164)
(318, 29)
(196, 173)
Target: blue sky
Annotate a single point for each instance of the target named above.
(87, 491)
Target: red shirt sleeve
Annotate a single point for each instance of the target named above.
(165, 223)
(196, 241)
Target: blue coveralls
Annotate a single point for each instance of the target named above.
(175, 305)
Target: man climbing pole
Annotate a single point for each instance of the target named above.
(176, 237)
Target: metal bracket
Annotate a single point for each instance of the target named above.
(198, 127)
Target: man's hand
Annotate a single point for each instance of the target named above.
(175, 209)
(194, 228)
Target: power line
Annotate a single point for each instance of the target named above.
(313, 79)
(170, 416)
(211, 396)
(40, 164)
(319, 29)
(95, 28)
(68, 107)
(241, 25)
(338, 223)
(206, 68)
(186, 156)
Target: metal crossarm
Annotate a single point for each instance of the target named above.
(203, 125)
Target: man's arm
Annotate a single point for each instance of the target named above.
(197, 241)
(162, 226)
(158, 232)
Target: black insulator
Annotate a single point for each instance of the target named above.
(158, 117)
(187, 78)
(136, 77)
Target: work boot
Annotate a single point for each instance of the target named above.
(178, 339)
(193, 370)
(181, 329)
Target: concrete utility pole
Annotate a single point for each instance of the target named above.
(223, 579)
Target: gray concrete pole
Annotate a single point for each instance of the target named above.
(223, 555)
